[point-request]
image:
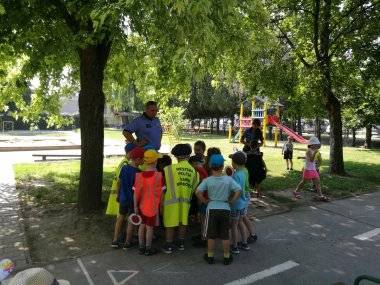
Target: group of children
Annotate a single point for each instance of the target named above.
(150, 186)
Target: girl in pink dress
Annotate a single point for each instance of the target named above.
(309, 170)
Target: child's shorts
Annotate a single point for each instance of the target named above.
(237, 214)
(217, 224)
(288, 155)
(310, 174)
(125, 210)
(150, 221)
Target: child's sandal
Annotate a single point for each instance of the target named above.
(297, 195)
(323, 198)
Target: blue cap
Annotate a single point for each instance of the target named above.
(129, 146)
(216, 160)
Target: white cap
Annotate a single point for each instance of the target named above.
(313, 141)
(36, 276)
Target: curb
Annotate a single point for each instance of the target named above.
(31, 148)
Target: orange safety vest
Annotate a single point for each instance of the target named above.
(148, 190)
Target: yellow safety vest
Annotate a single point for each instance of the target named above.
(181, 181)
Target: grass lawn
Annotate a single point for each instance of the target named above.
(57, 182)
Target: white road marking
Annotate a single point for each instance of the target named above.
(131, 273)
(161, 267)
(85, 272)
(368, 235)
(265, 273)
(159, 270)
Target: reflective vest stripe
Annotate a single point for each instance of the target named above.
(175, 201)
(173, 198)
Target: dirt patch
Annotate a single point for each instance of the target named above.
(58, 232)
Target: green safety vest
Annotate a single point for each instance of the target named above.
(181, 181)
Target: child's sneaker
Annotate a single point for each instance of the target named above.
(235, 249)
(244, 246)
(141, 249)
(228, 260)
(252, 238)
(115, 244)
(169, 248)
(209, 260)
(181, 244)
(150, 251)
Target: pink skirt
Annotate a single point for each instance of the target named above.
(310, 174)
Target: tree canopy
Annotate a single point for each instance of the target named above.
(319, 56)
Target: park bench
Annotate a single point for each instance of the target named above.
(45, 156)
(59, 156)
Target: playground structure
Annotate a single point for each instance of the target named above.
(265, 114)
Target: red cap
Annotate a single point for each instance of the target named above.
(137, 152)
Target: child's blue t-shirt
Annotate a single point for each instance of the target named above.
(240, 176)
(127, 180)
(218, 189)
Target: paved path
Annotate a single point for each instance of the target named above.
(12, 237)
(323, 244)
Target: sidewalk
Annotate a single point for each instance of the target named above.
(12, 234)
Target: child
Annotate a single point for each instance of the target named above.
(163, 161)
(196, 161)
(222, 191)
(148, 189)
(309, 170)
(125, 195)
(210, 152)
(287, 151)
(199, 150)
(200, 208)
(128, 147)
(239, 159)
(181, 181)
(256, 168)
(318, 163)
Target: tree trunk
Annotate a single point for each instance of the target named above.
(332, 103)
(368, 136)
(318, 128)
(91, 109)
(336, 141)
(217, 125)
(353, 137)
(299, 126)
(212, 125)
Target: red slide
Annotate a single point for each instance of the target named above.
(290, 132)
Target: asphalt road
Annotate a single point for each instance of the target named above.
(321, 244)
